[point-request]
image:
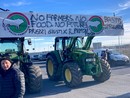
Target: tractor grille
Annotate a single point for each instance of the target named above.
(90, 56)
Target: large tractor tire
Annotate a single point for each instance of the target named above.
(52, 68)
(105, 75)
(72, 75)
(33, 79)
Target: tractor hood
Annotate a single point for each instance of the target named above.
(87, 55)
(83, 52)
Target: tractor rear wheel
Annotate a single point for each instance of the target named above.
(72, 75)
(33, 79)
(52, 68)
(105, 75)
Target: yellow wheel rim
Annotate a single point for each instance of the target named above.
(50, 68)
(68, 75)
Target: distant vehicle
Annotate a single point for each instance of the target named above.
(42, 56)
(34, 57)
(116, 58)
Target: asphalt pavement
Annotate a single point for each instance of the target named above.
(118, 86)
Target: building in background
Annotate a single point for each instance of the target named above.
(97, 45)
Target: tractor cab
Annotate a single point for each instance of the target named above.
(62, 43)
(66, 44)
(12, 47)
(71, 48)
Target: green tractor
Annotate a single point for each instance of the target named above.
(14, 48)
(71, 60)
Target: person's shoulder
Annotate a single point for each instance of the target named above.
(18, 74)
(17, 70)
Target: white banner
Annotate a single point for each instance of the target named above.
(17, 24)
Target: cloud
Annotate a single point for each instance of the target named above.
(20, 3)
(123, 6)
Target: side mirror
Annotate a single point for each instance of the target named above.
(29, 41)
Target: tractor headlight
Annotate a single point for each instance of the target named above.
(90, 60)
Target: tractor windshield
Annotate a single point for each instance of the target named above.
(78, 43)
(9, 46)
(64, 43)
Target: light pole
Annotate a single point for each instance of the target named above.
(119, 42)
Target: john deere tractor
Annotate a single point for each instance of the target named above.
(14, 48)
(71, 60)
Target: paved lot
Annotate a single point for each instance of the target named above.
(118, 86)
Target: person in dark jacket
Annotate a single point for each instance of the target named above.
(108, 55)
(104, 55)
(12, 81)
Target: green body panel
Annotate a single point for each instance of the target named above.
(87, 68)
(79, 56)
(14, 56)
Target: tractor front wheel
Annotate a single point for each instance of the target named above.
(72, 75)
(106, 72)
(33, 79)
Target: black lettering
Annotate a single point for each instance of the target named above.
(64, 31)
(48, 17)
(37, 31)
(83, 18)
(41, 18)
(69, 24)
(59, 24)
(49, 24)
(33, 23)
(76, 30)
(38, 25)
(43, 24)
(77, 18)
(31, 30)
(34, 17)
